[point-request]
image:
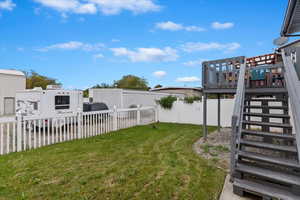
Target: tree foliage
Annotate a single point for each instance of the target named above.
(103, 85)
(132, 82)
(192, 99)
(167, 102)
(33, 79)
(158, 86)
(126, 82)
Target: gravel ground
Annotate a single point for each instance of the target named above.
(217, 148)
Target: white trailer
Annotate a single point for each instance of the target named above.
(10, 82)
(50, 103)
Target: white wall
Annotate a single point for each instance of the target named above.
(110, 97)
(193, 113)
(141, 98)
(125, 98)
(9, 84)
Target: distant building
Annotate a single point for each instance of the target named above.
(186, 91)
(123, 98)
(11, 81)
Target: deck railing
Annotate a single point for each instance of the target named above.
(24, 133)
(221, 73)
(262, 72)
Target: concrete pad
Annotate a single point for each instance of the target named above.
(227, 193)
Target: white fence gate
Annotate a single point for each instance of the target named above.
(25, 133)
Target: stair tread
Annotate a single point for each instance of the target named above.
(273, 100)
(269, 174)
(269, 146)
(268, 134)
(263, 189)
(263, 158)
(266, 115)
(269, 107)
(272, 124)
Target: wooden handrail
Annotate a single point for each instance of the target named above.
(237, 117)
(293, 87)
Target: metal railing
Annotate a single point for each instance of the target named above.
(237, 117)
(293, 87)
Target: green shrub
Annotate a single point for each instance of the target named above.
(191, 100)
(167, 102)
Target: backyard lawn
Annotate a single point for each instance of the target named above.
(137, 163)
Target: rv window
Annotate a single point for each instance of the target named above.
(62, 102)
(35, 106)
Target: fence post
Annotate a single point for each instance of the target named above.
(156, 113)
(115, 119)
(79, 117)
(19, 132)
(138, 115)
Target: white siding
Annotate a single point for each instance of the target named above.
(126, 98)
(9, 84)
(141, 98)
(110, 97)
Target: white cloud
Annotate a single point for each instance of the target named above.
(199, 46)
(60, 5)
(73, 45)
(147, 54)
(98, 56)
(7, 5)
(112, 7)
(172, 26)
(159, 74)
(107, 7)
(87, 8)
(188, 79)
(194, 63)
(219, 26)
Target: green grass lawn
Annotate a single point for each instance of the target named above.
(135, 163)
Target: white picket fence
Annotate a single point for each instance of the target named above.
(25, 133)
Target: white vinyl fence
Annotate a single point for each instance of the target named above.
(185, 113)
(25, 133)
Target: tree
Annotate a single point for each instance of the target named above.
(158, 86)
(132, 82)
(102, 85)
(34, 79)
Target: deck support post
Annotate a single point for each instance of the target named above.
(219, 113)
(205, 116)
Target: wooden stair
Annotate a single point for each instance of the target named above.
(267, 160)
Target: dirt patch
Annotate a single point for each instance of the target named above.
(216, 148)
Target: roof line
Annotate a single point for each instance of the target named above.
(288, 17)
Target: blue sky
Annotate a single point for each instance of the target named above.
(85, 42)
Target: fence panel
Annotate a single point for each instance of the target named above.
(148, 115)
(23, 133)
(8, 141)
